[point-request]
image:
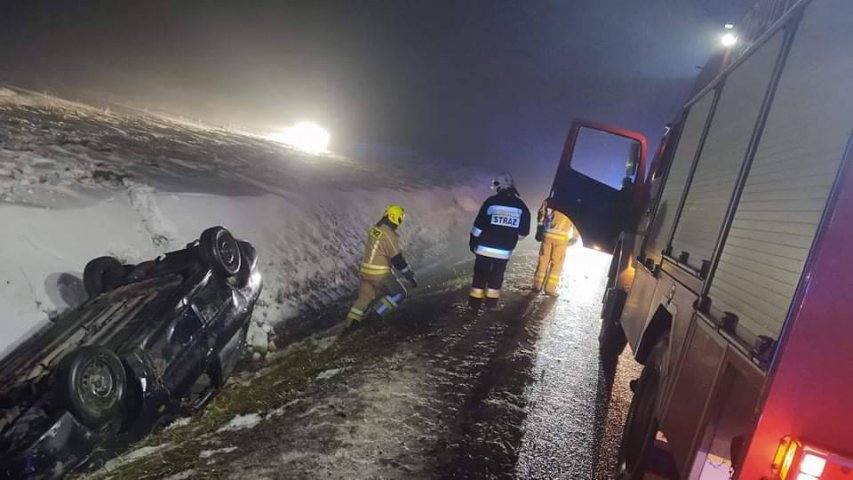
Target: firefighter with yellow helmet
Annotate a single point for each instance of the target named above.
(380, 291)
(556, 232)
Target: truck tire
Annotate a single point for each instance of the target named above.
(102, 275)
(641, 427)
(220, 251)
(91, 384)
(611, 337)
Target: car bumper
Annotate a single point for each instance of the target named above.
(65, 444)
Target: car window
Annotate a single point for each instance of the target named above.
(185, 327)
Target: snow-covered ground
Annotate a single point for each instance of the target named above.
(432, 392)
(77, 182)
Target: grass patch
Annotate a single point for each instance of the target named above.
(277, 383)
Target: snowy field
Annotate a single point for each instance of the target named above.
(77, 182)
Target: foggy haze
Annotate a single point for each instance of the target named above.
(481, 82)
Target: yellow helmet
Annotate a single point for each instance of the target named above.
(395, 214)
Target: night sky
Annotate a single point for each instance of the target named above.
(483, 82)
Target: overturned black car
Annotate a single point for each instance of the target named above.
(154, 339)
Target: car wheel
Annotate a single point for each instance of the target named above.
(641, 426)
(91, 383)
(247, 262)
(102, 275)
(220, 251)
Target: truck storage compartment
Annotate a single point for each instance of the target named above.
(794, 168)
(682, 162)
(724, 150)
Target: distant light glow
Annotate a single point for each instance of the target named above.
(728, 39)
(304, 136)
(729, 26)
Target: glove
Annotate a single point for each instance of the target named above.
(410, 276)
(472, 243)
(540, 233)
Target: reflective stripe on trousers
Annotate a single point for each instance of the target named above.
(487, 282)
(374, 292)
(375, 270)
(557, 236)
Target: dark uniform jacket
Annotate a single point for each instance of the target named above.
(502, 221)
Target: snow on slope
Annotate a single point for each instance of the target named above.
(78, 182)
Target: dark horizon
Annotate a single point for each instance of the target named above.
(479, 82)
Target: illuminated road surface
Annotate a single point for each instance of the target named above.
(574, 421)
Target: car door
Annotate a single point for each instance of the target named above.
(600, 181)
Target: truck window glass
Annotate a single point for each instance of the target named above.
(605, 157)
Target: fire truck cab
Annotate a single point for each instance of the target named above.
(732, 261)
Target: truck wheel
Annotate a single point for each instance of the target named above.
(102, 275)
(612, 274)
(91, 383)
(611, 337)
(642, 424)
(220, 251)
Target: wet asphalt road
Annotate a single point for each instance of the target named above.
(439, 394)
(434, 393)
(575, 413)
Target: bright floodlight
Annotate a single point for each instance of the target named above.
(728, 39)
(305, 136)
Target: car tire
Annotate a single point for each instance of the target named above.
(249, 257)
(641, 426)
(219, 250)
(102, 275)
(91, 383)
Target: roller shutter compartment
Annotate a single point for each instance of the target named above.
(682, 161)
(710, 192)
(797, 161)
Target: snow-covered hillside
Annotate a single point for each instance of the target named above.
(78, 182)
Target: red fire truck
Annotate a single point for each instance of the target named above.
(732, 262)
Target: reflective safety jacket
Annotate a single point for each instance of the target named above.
(502, 221)
(382, 252)
(557, 227)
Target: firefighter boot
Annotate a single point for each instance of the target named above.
(475, 300)
(493, 300)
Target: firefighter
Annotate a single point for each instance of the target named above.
(502, 221)
(380, 291)
(556, 232)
